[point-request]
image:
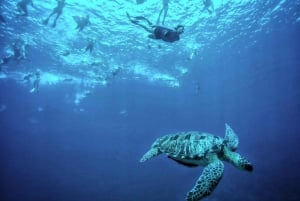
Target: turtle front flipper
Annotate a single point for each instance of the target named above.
(207, 182)
(150, 154)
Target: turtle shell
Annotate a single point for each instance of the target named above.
(189, 147)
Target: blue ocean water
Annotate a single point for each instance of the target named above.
(80, 137)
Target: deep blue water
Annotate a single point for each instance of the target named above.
(90, 151)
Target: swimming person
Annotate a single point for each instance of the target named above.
(57, 10)
(157, 32)
(163, 10)
(90, 45)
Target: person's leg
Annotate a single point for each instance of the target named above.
(25, 10)
(91, 48)
(47, 19)
(57, 16)
(144, 19)
(136, 21)
(19, 6)
(158, 19)
(22, 8)
(165, 13)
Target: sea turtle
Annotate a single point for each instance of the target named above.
(201, 149)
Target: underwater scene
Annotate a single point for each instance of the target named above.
(149, 100)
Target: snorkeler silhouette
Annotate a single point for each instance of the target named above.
(57, 10)
(157, 32)
(90, 45)
(82, 22)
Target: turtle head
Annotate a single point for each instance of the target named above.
(237, 160)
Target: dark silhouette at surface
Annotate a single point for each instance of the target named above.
(82, 22)
(90, 45)
(22, 6)
(157, 32)
(57, 10)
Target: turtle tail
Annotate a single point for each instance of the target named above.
(150, 154)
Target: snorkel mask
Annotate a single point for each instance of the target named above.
(180, 29)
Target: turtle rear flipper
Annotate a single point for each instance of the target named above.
(150, 154)
(231, 138)
(207, 182)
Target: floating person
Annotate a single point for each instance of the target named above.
(22, 7)
(57, 10)
(193, 149)
(90, 45)
(36, 82)
(164, 10)
(209, 6)
(82, 22)
(2, 19)
(157, 32)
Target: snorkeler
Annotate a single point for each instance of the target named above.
(22, 6)
(36, 82)
(57, 10)
(158, 32)
(82, 22)
(209, 6)
(90, 45)
(163, 10)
